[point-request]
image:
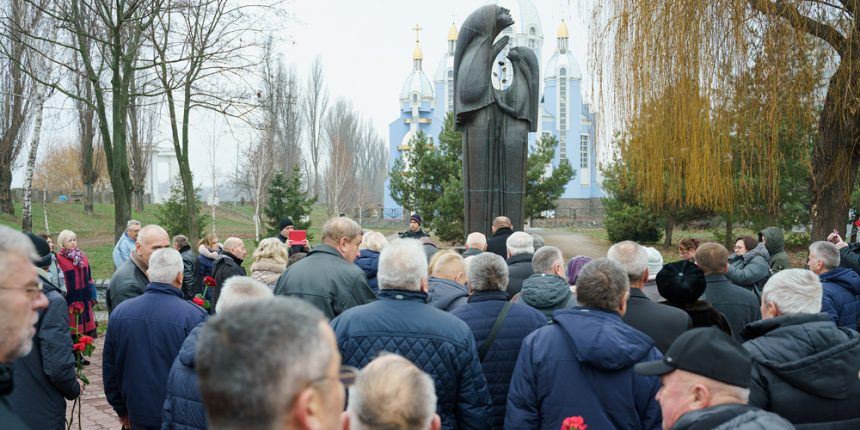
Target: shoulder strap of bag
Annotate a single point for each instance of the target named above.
(485, 347)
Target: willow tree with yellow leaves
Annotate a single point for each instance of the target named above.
(706, 93)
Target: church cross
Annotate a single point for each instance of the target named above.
(417, 28)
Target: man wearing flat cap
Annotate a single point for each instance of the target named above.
(706, 376)
(415, 231)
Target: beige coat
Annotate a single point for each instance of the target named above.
(267, 271)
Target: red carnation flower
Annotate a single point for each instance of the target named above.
(198, 301)
(86, 340)
(80, 347)
(573, 423)
(209, 281)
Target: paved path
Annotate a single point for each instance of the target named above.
(572, 244)
(96, 413)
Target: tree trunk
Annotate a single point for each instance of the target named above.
(27, 222)
(88, 198)
(190, 203)
(139, 199)
(836, 155)
(729, 240)
(6, 205)
(670, 228)
(45, 205)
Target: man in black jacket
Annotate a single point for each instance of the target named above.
(327, 277)
(739, 305)
(697, 394)
(45, 378)
(662, 323)
(21, 299)
(804, 367)
(228, 265)
(130, 279)
(498, 244)
(520, 253)
(415, 231)
(180, 243)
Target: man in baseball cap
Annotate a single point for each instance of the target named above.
(706, 377)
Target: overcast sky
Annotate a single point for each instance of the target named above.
(366, 50)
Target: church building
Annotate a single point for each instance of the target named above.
(424, 105)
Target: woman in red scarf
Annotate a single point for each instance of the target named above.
(81, 291)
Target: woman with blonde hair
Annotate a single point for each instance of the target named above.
(368, 258)
(270, 261)
(80, 289)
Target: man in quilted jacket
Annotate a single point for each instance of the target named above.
(402, 322)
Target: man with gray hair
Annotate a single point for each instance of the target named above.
(126, 243)
(841, 285)
(142, 340)
(499, 326)
(804, 367)
(228, 265)
(271, 364)
(392, 394)
(327, 277)
(593, 351)
(520, 252)
(663, 323)
(476, 243)
(183, 408)
(130, 278)
(403, 323)
(547, 289)
(21, 299)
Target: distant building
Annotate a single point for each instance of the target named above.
(424, 105)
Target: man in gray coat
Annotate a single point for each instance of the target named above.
(739, 305)
(327, 277)
(45, 378)
(130, 279)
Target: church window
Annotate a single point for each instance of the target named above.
(583, 151)
(415, 98)
(562, 113)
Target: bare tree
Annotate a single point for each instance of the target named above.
(288, 120)
(27, 222)
(17, 89)
(315, 107)
(371, 166)
(342, 133)
(203, 52)
(141, 141)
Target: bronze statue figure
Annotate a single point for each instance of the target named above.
(495, 114)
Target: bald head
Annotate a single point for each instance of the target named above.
(501, 221)
(235, 246)
(150, 239)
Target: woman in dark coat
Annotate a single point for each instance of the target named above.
(368, 258)
(682, 283)
(80, 289)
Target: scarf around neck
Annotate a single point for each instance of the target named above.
(76, 255)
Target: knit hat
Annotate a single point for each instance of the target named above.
(681, 282)
(574, 266)
(43, 249)
(286, 222)
(655, 262)
(416, 218)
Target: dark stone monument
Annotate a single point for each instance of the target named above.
(496, 105)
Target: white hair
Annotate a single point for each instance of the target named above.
(132, 222)
(826, 252)
(13, 242)
(392, 393)
(545, 258)
(476, 240)
(65, 236)
(402, 265)
(794, 291)
(240, 289)
(632, 256)
(487, 272)
(520, 242)
(164, 265)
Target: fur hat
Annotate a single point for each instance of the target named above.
(681, 282)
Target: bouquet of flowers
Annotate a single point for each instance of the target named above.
(200, 298)
(573, 423)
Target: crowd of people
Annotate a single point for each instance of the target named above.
(506, 333)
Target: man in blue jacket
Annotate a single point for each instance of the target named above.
(403, 323)
(583, 364)
(142, 341)
(488, 306)
(841, 285)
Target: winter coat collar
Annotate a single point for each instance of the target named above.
(715, 278)
(601, 339)
(184, 248)
(6, 383)
(485, 296)
(404, 295)
(844, 277)
(326, 249)
(710, 418)
(638, 294)
(268, 264)
(543, 291)
(520, 258)
(162, 288)
(760, 250)
(47, 285)
(235, 259)
(762, 327)
(503, 231)
(282, 238)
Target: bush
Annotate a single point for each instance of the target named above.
(632, 223)
(172, 215)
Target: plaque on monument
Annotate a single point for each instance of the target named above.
(495, 106)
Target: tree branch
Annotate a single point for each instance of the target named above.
(800, 22)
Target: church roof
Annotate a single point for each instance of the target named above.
(562, 30)
(524, 13)
(445, 63)
(453, 33)
(559, 60)
(417, 82)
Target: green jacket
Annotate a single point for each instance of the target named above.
(775, 243)
(327, 281)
